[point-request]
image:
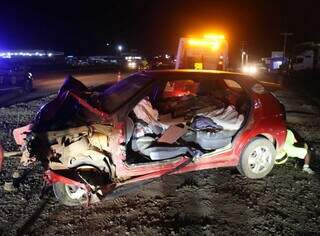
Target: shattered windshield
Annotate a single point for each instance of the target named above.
(120, 93)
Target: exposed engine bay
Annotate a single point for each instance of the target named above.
(87, 145)
(67, 138)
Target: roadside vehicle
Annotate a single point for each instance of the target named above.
(207, 53)
(306, 57)
(95, 145)
(14, 77)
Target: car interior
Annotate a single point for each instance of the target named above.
(185, 117)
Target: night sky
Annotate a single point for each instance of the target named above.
(85, 27)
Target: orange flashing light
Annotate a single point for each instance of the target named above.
(214, 36)
(213, 44)
(199, 42)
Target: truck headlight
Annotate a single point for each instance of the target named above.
(249, 69)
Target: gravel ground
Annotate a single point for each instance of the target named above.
(218, 201)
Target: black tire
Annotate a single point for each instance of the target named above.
(28, 86)
(61, 193)
(257, 159)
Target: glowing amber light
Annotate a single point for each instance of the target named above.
(199, 42)
(213, 44)
(213, 36)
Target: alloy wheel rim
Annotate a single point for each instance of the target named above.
(75, 192)
(260, 159)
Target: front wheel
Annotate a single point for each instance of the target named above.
(257, 159)
(69, 195)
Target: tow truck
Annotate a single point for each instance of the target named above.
(207, 53)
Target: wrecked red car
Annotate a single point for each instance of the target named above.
(99, 145)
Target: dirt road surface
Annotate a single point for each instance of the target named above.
(218, 201)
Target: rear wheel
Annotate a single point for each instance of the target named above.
(69, 195)
(257, 159)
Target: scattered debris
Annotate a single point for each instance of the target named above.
(8, 186)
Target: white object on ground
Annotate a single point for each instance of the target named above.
(16, 175)
(8, 186)
(307, 169)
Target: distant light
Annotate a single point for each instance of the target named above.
(130, 58)
(30, 53)
(132, 65)
(221, 57)
(277, 64)
(253, 69)
(167, 56)
(249, 69)
(120, 48)
(245, 69)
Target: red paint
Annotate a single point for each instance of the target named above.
(261, 122)
(92, 109)
(51, 177)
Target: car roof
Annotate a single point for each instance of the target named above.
(154, 76)
(181, 73)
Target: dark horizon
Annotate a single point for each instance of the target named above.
(155, 27)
